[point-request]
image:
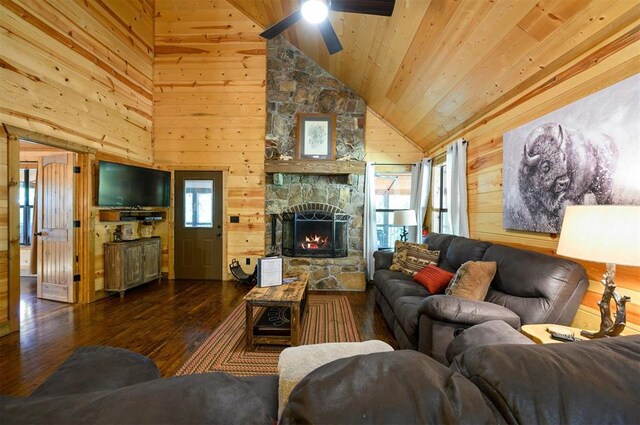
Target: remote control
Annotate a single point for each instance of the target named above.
(566, 337)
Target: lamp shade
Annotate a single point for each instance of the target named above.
(601, 233)
(404, 218)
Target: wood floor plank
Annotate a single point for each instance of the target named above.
(165, 321)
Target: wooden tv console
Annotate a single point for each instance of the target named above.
(128, 264)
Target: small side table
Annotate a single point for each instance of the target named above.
(539, 334)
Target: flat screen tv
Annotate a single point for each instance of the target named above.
(127, 186)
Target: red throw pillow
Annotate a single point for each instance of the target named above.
(433, 278)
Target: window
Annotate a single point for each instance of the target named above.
(198, 203)
(27, 193)
(393, 192)
(439, 213)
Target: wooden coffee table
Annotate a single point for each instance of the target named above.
(292, 295)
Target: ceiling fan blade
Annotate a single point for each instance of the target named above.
(368, 7)
(330, 37)
(278, 27)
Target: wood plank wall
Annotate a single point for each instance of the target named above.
(209, 108)
(384, 144)
(604, 65)
(80, 71)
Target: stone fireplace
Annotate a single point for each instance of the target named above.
(315, 231)
(319, 226)
(339, 196)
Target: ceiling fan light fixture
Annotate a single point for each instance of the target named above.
(314, 11)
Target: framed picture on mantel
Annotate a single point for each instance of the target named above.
(316, 136)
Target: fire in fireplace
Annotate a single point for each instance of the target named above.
(315, 233)
(315, 242)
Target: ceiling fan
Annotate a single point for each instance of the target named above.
(316, 11)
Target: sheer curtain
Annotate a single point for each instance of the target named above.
(457, 188)
(370, 242)
(420, 185)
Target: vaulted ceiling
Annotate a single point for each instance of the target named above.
(437, 66)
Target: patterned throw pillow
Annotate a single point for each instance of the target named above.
(472, 280)
(400, 254)
(433, 278)
(410, 258)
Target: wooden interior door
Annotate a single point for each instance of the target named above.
(55, 228)
(198, 225)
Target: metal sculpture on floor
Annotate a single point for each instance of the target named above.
(242, 276)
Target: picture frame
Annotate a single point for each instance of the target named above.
(269, 272)
(317, 136)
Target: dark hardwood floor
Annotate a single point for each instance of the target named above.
(166, 322)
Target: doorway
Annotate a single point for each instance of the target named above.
(46, 211)
(198, 225)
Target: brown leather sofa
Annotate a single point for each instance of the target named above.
(588, 382)
(528, 287)
(569, 383)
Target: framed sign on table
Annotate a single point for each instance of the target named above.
(316, 136)
(269, 271)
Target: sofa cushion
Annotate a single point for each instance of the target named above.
(410, 258)
(266, 389)
(188, 399)
(406, 309)
(440, 242)
(538, 287)
(96, 368)
(401, 387)
(462, 250)
(587, 382)
(472, 280)
(492, 332)
(396, 288)
(466, 312)
(295, 363)
(433, 278)
(380, 277)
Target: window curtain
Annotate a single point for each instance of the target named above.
(457, 188)
(420, 185)
(370, 242)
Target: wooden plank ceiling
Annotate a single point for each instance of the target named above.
(436, 66)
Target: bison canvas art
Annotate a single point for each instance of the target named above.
(585, 153)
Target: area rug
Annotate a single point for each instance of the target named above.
(328, 319)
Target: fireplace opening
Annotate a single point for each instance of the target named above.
(315, 234)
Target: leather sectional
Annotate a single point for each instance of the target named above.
(570, 383)
(529, 287)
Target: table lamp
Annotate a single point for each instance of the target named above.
(404, 218)
(605, 234)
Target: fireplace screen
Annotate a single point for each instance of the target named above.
(315, 234)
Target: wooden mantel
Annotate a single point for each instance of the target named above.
(314, 167)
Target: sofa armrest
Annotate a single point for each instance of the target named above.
(383, 259)
(447, 308)
(96, 368)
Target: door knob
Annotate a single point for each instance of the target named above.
(38, 234)
(219, 234)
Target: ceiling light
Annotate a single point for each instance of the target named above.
(314, 11)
